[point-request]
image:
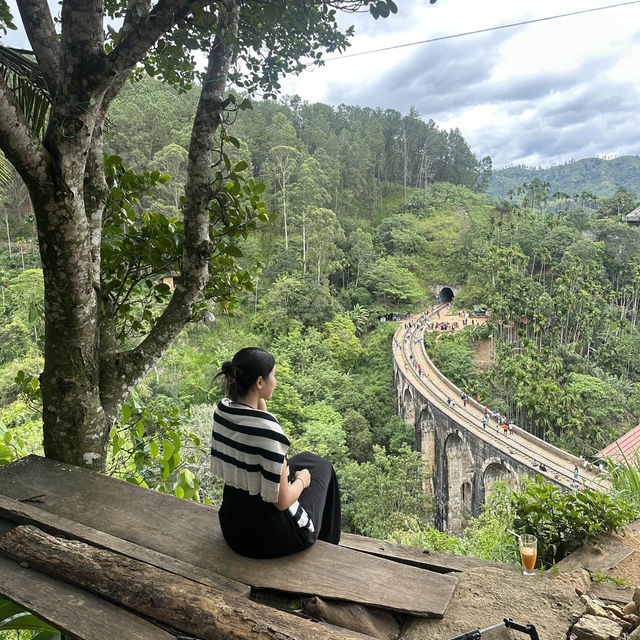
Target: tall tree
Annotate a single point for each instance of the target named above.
(88, 373)
(283, 159)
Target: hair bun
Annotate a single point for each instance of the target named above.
(227, 367)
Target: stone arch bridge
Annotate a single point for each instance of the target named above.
(465, 459)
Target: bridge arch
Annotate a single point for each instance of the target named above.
(408, 407)
(459, 474)
(425, 442)
(495, 469)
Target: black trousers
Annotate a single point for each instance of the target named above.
(321, 499)
(256, 529)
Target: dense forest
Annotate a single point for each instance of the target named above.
(590, 177)
(369, 208)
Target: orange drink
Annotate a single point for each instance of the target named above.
(528, 553)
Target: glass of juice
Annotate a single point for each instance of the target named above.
(528, 553)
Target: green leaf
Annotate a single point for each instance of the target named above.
(167, 449)
(126, 413)
(8, 609)
(46, 635)
(27, 622)
(154, 449)
(232, 250)
(241, 166)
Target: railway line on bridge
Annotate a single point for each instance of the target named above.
(520, 445)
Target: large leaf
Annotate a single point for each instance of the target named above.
(25, 79)
(25, 621)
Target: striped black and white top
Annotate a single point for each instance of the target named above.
(248, 449)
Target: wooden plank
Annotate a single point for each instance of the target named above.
(195, 609)
(23, 513)
(374, 623)
(414, 556)
(599, 556)
(73, 610)
(190, 532)
(611, 592)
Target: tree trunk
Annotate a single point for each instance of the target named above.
(85, 378)
(406, 159)
(284, 208)
(304, 241)
(191, 607)
(6, 220)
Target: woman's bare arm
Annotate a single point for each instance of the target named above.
(289, 493)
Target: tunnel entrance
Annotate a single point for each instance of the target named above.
(446, 295)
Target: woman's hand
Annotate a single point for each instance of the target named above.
(305, 476)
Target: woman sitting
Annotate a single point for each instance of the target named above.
(271, 506)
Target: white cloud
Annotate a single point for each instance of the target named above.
(535, 94)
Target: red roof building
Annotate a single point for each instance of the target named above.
(628, 444)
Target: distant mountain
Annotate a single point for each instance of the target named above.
(597, 176)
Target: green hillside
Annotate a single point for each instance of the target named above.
(594, 175)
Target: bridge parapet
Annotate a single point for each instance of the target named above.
(523, 433)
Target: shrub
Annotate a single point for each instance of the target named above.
(564, 521)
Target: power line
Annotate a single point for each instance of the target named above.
(470, 33)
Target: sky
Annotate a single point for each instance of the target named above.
(540, 94)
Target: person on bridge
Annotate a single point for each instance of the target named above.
(272, 505)
(576, 473)
(485, 421)
(505, 428)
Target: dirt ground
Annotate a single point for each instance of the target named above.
(629, 568)
(454, 317)
(485, 596)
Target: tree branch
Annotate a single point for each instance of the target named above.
(132, 18)
(197, 245)
(21, 146)
(141, 37)
(41, 32)
(82, 33)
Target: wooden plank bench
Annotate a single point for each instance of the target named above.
(189, 533)
(71, 609)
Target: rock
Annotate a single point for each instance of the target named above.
(591, 627)
(630, 608)
(594, 607)
(633, 619)
(578, 578)
(636, 596)
(614, 609)
(635, 634)
(627, 626)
